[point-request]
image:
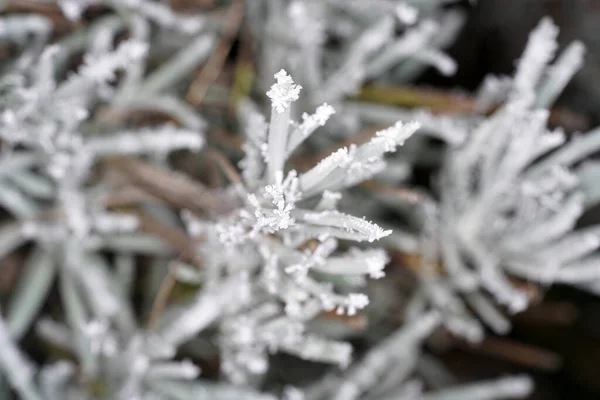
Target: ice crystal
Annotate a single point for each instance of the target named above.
(284, 92)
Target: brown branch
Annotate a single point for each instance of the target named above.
(127, 196)
(401, 193)
(515, 352)
(162, 297)
(548, 313)
(214, 65)
(225, 165)
(223, 138)
(444, 102)
(170, 186)
(173, 236)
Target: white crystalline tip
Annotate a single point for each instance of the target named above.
(284, 92)
(397, 134)
(406, 13)
(322, 114)
(376, 260)
(292, 393)
(356, 301)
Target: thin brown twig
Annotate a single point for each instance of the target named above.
(548, 313)
(223, 138)
(162, 297)
(401, 193)
(127, 196)
(214, 65)
(170, 186)
(516, 352)
(444, 102)
(186, 248)
(177, 238)
(228, 169)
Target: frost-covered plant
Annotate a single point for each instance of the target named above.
(332, 47)
(157, 12)
(284, 241)
(508, 198)
(50, 148)
(287, 264)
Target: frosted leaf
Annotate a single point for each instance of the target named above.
(519, 386)
(315, 348)
(159, 140)
(115, 222)
(18, 370)
(396, 135)
(309, 29)
(540, 49)
(173, 370)
(361, 171)
(341, 158)
(164, 16)
(347, 222)
(310, 259)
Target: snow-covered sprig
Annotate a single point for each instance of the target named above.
(365, 374)
(344, 226)
(539, 52)
(14, 365)
(156, 12)
(296, 243)
(282, 195)
(350, 164)
(282, 94)
(308, 125)
(357, 262)
(255, 148)
(509, 201)
(156, 140)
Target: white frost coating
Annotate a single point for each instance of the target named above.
(173, 370)
(284, 92)
(283, 194)
(386, 141)
(347, 222)
(366, 373)
(102, 68)
(310, 122)
(396, 135)
(163, 15)
(540, 49)
(159, 140)
(19, 372)
(559, 74)
(407, 14)
(312, 347)
(512, 387)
